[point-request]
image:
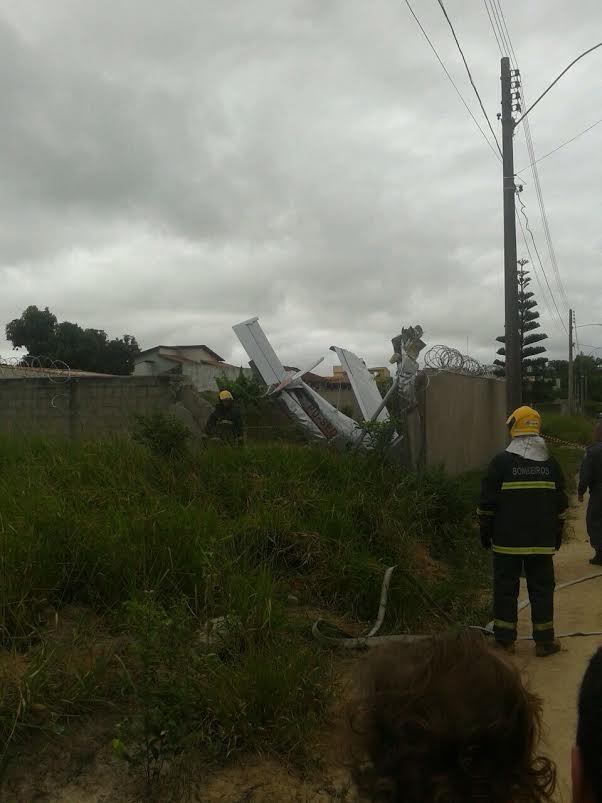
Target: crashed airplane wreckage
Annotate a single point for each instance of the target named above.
(318, 419)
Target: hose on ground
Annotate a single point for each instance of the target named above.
(337, 638)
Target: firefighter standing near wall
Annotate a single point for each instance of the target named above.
(225, 422)
(521, 516)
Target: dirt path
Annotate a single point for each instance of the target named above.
(557, 679)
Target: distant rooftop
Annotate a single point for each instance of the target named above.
(210, 351)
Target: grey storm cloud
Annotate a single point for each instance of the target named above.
(170, 169)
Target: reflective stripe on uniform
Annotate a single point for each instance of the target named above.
(502, 625)
(541, 484)
(544, 626)
(481, 512)
(524, 550)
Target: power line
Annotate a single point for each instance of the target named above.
(555, 81)
(426, 36)
(453, 83)
(470, 74)
(501, 22)
(528, 227)
(554, 320)
(568, 142)
(505, 36)
(505, 33)
(502, 34)
(544, 216)
(493, 27)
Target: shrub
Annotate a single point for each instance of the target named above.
(163, 434)
(247, 391)
(378, 436)
(573, 428)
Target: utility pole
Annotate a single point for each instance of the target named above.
(571, 381)
(511, 333)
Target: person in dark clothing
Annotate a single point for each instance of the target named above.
(586, 764)
(590, 478)
(521, 513)
(225, 422)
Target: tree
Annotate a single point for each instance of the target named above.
(533, 366)
(34, 330)
(81, 349)
(120, 355)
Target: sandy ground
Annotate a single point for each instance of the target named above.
(556, 679)
(81, 769)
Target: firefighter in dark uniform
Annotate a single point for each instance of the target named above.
(521, 516)
(590, 477)
(225, 422)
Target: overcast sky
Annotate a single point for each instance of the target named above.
(170, 169)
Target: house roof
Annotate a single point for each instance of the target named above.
(214, 354)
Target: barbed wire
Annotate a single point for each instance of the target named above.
(30, 367)
(445, 358)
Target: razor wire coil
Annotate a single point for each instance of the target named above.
(31, 367)
(446, 358)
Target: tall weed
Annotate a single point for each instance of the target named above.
(163, 549)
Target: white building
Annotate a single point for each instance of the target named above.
(200, 363)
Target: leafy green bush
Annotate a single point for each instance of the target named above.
(163, 434)
(378, 436)
(573, 429)
(245, 390)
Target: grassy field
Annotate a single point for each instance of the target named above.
(177, 593)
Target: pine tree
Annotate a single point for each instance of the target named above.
(531, 363)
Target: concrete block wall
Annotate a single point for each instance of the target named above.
(464, 421)
(109, 405)
(462, 418)
(34, 405)
(83, 406)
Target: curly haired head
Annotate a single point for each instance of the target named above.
(448, 720)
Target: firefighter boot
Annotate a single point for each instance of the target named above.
(545, 648)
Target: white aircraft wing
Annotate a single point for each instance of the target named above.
(257, 346)
(363, 384)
